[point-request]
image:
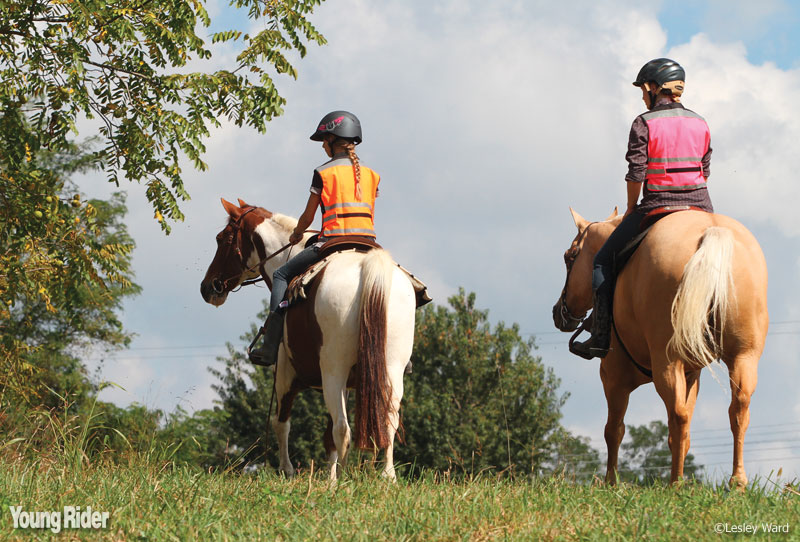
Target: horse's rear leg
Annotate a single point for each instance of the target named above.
(394, 423)
(618, 383)
(744, 377)
(330, 445)
(679, 391)
(692, 389)
(335, 393)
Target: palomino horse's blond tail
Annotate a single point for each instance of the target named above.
(703, 299)
(373, 393)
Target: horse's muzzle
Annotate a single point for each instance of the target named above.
(561, 318)
(213, 292)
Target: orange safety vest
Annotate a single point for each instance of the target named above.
(342, 213)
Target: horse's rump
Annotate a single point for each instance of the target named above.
(703, 300)
(683, 280)
(369, 277)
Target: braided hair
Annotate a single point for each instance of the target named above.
(351, 152)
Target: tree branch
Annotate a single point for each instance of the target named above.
(116, 69)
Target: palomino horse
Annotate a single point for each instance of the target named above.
(354, 329)
(694, 291)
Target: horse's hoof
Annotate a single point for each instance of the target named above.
(738, 482)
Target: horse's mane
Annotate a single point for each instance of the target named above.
(286, 222)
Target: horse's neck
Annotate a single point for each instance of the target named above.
(274, 237)
(596, 238)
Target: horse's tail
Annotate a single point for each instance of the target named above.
(703, 299)
(373, 392)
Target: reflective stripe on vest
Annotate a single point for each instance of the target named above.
(342, 213)
(678, 139)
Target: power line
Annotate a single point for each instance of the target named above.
(536, 333)
(167, 356)
(667, 467)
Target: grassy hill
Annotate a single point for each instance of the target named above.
(154, 500)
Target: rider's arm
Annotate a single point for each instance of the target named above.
(634, 189)
(306, 218)
(707, 163)
(637, 151)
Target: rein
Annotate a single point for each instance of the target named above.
(260, 266)
(235, 237)
(569, 259)
(264, 276)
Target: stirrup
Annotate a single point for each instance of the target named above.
(585, 349)
(258, 356)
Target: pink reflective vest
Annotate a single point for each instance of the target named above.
(677, 141)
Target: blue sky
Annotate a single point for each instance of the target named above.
(481, 107)
(768, 28)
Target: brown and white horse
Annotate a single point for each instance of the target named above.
(355, 329)
(694, 291)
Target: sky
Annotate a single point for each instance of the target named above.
(487, 121)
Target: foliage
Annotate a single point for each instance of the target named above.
(199, 439)
(646, 457)
(124, 70)
(65, 268)
(125, 65)
(574, 458)
(477, 398)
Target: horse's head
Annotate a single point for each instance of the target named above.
(576, 297)
(235, 248)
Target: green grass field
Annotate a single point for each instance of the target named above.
(150, 503)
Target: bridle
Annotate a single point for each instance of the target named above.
(569, 259)
(233, 241)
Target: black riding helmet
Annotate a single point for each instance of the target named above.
(660, 71)
(341, 124)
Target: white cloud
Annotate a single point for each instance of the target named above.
(754, 129)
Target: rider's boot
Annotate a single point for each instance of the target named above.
(267, 353)
(597, 345)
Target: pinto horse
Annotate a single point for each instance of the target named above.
(694, 291)
(354, 329)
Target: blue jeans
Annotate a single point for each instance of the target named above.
(604, 272)
(289, 270)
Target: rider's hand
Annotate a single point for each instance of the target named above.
(295, 238)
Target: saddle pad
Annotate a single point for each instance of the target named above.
(297, 287)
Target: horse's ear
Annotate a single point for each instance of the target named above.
(612, 215)
(230, 208)
(580, 222)
(243, 203)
